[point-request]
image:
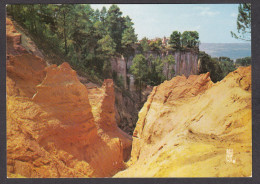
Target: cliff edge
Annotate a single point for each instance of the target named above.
(191, 127)
(52, 128)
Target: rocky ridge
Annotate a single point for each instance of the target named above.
(191, 127)
(53, 129)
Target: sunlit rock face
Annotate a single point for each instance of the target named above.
(186, 63)
(53, 130)
(190, 127)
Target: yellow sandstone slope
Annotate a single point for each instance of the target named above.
(194, 128)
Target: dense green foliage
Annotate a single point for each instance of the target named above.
(207, 64)
(88, 38)
(155, 71)
(188, 39)
(223, 58)
(175, 40)
(129, 38)
(227, 67)
(149, 71)
(144, 46)
(140, 71)
(156, 46)
(243, 22)
(169, 61)
(218, 67)
(246, 61)
(105, 50)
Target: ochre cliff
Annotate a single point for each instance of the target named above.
(53, 128)
(191, 127)
(59, 127)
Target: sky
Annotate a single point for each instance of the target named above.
(213, 21)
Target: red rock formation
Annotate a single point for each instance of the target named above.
(25, 72)
(104, 112)
(61, 123)
(13, 38)
(51, 130)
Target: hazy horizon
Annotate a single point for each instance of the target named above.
(231, 50)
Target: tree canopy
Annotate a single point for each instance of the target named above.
(187, 39)
(243, 23)
(175, 40)
(87, 37)
(218, 67)
(144, 45)
(156, 46)
(207, 64)
(140, 71)
(246, 61)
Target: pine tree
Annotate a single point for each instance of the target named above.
(115, 24)
(140, 71)
(243, 23)
(175, 40)
(106, 50)
(128, 40)
(144, 45)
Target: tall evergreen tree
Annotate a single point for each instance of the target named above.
(128, 40)
(144, 45)
(140, 70)
(115, 24)
(175, 40)
(106, 50)
(63, 19)
(103, 14)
